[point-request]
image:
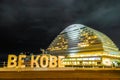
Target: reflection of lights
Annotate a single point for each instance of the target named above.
(83, 44)
(59, 37)
(71, 54)
(85, 58)
(115, 63)
(85, 63)
(79, 58)
(107, 62)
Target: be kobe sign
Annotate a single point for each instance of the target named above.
(36, 61)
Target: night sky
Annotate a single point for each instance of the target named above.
(28, 25)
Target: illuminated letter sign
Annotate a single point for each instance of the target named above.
(36, 61)
(12, 61)
(53, 61)
(21, 61)
(44, 61)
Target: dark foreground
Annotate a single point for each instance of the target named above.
(60, 74)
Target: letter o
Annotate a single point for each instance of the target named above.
(42, 63)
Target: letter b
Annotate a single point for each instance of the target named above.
(12, 61)
(53, 61)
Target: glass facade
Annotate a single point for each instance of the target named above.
(84, 46)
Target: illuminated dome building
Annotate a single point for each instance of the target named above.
(84, 46)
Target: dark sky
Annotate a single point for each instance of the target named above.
(28, 25)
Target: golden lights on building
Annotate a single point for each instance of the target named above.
(84, 46)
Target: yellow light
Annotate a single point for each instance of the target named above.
(107, 62)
